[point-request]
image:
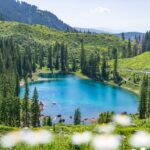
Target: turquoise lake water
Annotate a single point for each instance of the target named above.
(90, 96)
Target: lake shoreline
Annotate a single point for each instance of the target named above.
(36, 78)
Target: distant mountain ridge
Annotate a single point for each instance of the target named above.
(130, 35)
(12, 10)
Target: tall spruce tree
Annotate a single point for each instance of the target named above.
(50, 58)
(104, 69)
(115, 69)
(148, 101)
(35, 110)
(82, 57)
(25, 105)
(49, 121)
(129, 48)
(77, 117)
(143, 98)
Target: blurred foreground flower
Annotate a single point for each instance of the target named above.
(108, 128)
(122, 120)
(106, 142)
(81, 138)
(26, 136)
(141, 140)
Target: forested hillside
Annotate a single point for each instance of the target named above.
(12, 10)
(24, 49)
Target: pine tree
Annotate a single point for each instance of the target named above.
(57, 51)
(123, 36)
(82, 57)
(63, 67)
(77, 117)
(143, 98)
(49, 121)
(25, 107)
(35, 110)
(115, 71)
(50, 59)
(17, 112)
(104, 72)
(148, 101)
(74, 65)
(17, 85)
(129, 48)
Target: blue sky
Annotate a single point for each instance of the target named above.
(124, 15)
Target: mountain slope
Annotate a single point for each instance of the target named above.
(138, 63)
(37, 37)
(12, 10)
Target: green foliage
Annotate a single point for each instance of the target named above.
(138, 63)
(77, 117)
(143, 98)
(25, 106)
(49, 121)
(105, 117)
(35, 110)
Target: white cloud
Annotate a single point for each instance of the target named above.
(100, 10)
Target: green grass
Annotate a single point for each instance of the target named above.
(62, 140)
(140, 62)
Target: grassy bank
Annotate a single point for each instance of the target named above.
(125, 85)
(63, 133)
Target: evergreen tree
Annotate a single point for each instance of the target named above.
(50, 59)
(129, 48)
(57, 51)
(17, 85)
(25, 107)
(123, 36)
(143, 98)
(148, 101)
(16, 112)
(82, 57)
(35, 110)
(63, 67)
(74, 65)
(115, 71)
(77, 117)
(104, 69)
(49, 121)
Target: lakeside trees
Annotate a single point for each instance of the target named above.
(19, 62)
(77, 117)
(144, 105)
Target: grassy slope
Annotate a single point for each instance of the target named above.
(35, 35)
(140, 62)
(129, 66)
